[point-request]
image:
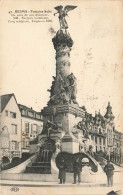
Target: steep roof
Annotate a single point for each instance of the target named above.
(27, 109)
(23, 107)
(4, 100)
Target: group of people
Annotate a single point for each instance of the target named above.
(77, 169)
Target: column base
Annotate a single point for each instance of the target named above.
(70, 144)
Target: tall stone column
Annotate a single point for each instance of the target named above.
(63, 108)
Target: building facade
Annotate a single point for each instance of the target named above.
(116, 154)
(10, 132)
(31, 124)
(18, 126)
(102, 135)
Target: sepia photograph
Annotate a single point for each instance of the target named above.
(61, 97)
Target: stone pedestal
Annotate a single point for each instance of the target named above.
(70, 146)
(66, 116)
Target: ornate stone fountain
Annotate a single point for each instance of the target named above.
(62, 111)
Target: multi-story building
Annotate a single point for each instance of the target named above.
(19, 125)
(117, 147)
(101, 130)
(95, 128)
(10, 132)
(31, 124)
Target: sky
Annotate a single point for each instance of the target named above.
(27, 57)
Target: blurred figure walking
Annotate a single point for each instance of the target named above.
(109, 170)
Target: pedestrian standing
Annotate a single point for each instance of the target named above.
(62, 172)
(77, 169)
(109, 170)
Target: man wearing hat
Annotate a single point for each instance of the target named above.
(62, 172)
(109, 170)
(77, 169)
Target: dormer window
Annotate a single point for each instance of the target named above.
(31, 114)
(38, 116)
(23, 112)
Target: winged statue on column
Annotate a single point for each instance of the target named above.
(62, 14)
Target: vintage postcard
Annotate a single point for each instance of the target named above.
(61, 97)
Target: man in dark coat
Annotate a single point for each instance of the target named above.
(109, 170)
(77, 169)
(62, 172)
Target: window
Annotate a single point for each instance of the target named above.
(96, 148)
(118, 145)
(109, 141)
(26, 127)
(103, 131)
(12, 114)
(31, 114)
(100, 140)
(103, 141)
(96, 140)
(14, 129)
(113, 143)
(23, 112)
(96, 129)
(33, 128)
(25, 143)
(100, 131)
(6, 112)
(92, 137)
(14, 145)
(38, 116)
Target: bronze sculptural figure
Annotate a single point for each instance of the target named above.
(62, 14)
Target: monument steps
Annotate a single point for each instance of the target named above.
(39, 169)
(41, 166)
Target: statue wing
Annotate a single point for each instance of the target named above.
(69, 8)
(58, 8)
